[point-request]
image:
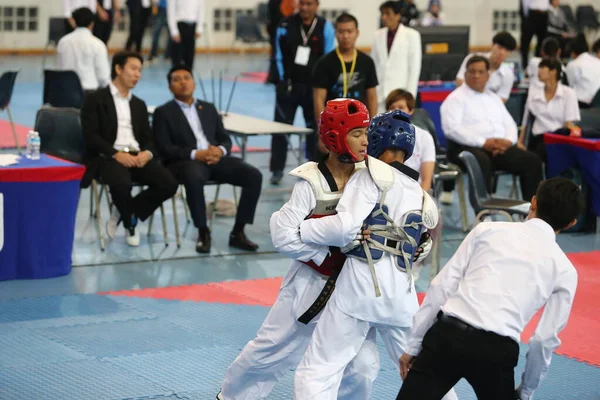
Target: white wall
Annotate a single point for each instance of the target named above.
(476, 13)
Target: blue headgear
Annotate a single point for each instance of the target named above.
(391, 130)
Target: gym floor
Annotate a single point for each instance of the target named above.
(160, 321)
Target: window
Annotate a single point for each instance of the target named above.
(20, 19)
(506, 20)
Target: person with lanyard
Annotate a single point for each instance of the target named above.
(282, 339)
(553, 105)
(345, 72)
(470, 323)
(300, 40)
(375, 290)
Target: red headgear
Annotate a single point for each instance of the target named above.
(340, 117)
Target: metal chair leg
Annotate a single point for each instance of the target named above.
(91, 202)
(188, 214)
(462, 202)
(175, 221)
(14, 131)
(214, 207)
(235, 197)
(164, 225)
(98, 214)
(150, 222)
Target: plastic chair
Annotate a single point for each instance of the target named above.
(482, 202)
(60, 133)
(586, 18)
(7, 85)
(56, 30)
(569, 16)
(247, 31)
(62, 89)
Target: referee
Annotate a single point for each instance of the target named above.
(471, 321)
(300, 41)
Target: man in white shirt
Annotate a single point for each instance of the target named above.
(120, 148)
(107, 14)
(534, 21)
(475, 119)
(186, 24)
(71, 5)
(583, 72)
(83, 53)
(475, 310)
(396, 52)
(502, 77)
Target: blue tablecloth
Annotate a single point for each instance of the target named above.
(38, 206)
(584, 154)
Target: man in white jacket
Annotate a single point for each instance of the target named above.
(397, 54)
(282, 339)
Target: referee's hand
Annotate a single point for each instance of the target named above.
(406, 362)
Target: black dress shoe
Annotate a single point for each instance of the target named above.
(240, 240)
(203, 244)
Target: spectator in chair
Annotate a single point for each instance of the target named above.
(423, 156)
(501, 78)
(121, 150)
(583, 72)
(193, 144)
(554, 106)
(83, 53)
(476, 120)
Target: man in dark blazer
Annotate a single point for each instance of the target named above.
(120, 148)
(194, 145)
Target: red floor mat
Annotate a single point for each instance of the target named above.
(580, 339)
(6, 136)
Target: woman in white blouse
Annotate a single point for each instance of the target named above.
(423, 157)
(554, 106)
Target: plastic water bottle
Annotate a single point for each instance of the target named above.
(35, 146)
(28, 151)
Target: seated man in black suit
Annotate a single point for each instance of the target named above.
(120, 148)
(193, 144)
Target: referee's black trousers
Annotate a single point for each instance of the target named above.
(453, 350)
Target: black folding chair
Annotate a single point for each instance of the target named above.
(482, 202)
(62, 89)
(586, 18)
(7, 85)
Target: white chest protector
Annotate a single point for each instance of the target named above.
(400, 238)
(327, 198)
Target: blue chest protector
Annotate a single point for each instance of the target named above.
(400, 239)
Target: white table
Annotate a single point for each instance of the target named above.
(241, 127)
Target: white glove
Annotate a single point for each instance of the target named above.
(425, 245)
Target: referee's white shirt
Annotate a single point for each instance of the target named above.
(500, 276)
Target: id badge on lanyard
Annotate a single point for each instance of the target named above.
(345, 77)
(303, 52)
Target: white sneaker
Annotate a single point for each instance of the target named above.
(219, 396)
(113, 222)
(447, 198)
(132, 237)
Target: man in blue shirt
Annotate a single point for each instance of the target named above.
(301, 39)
